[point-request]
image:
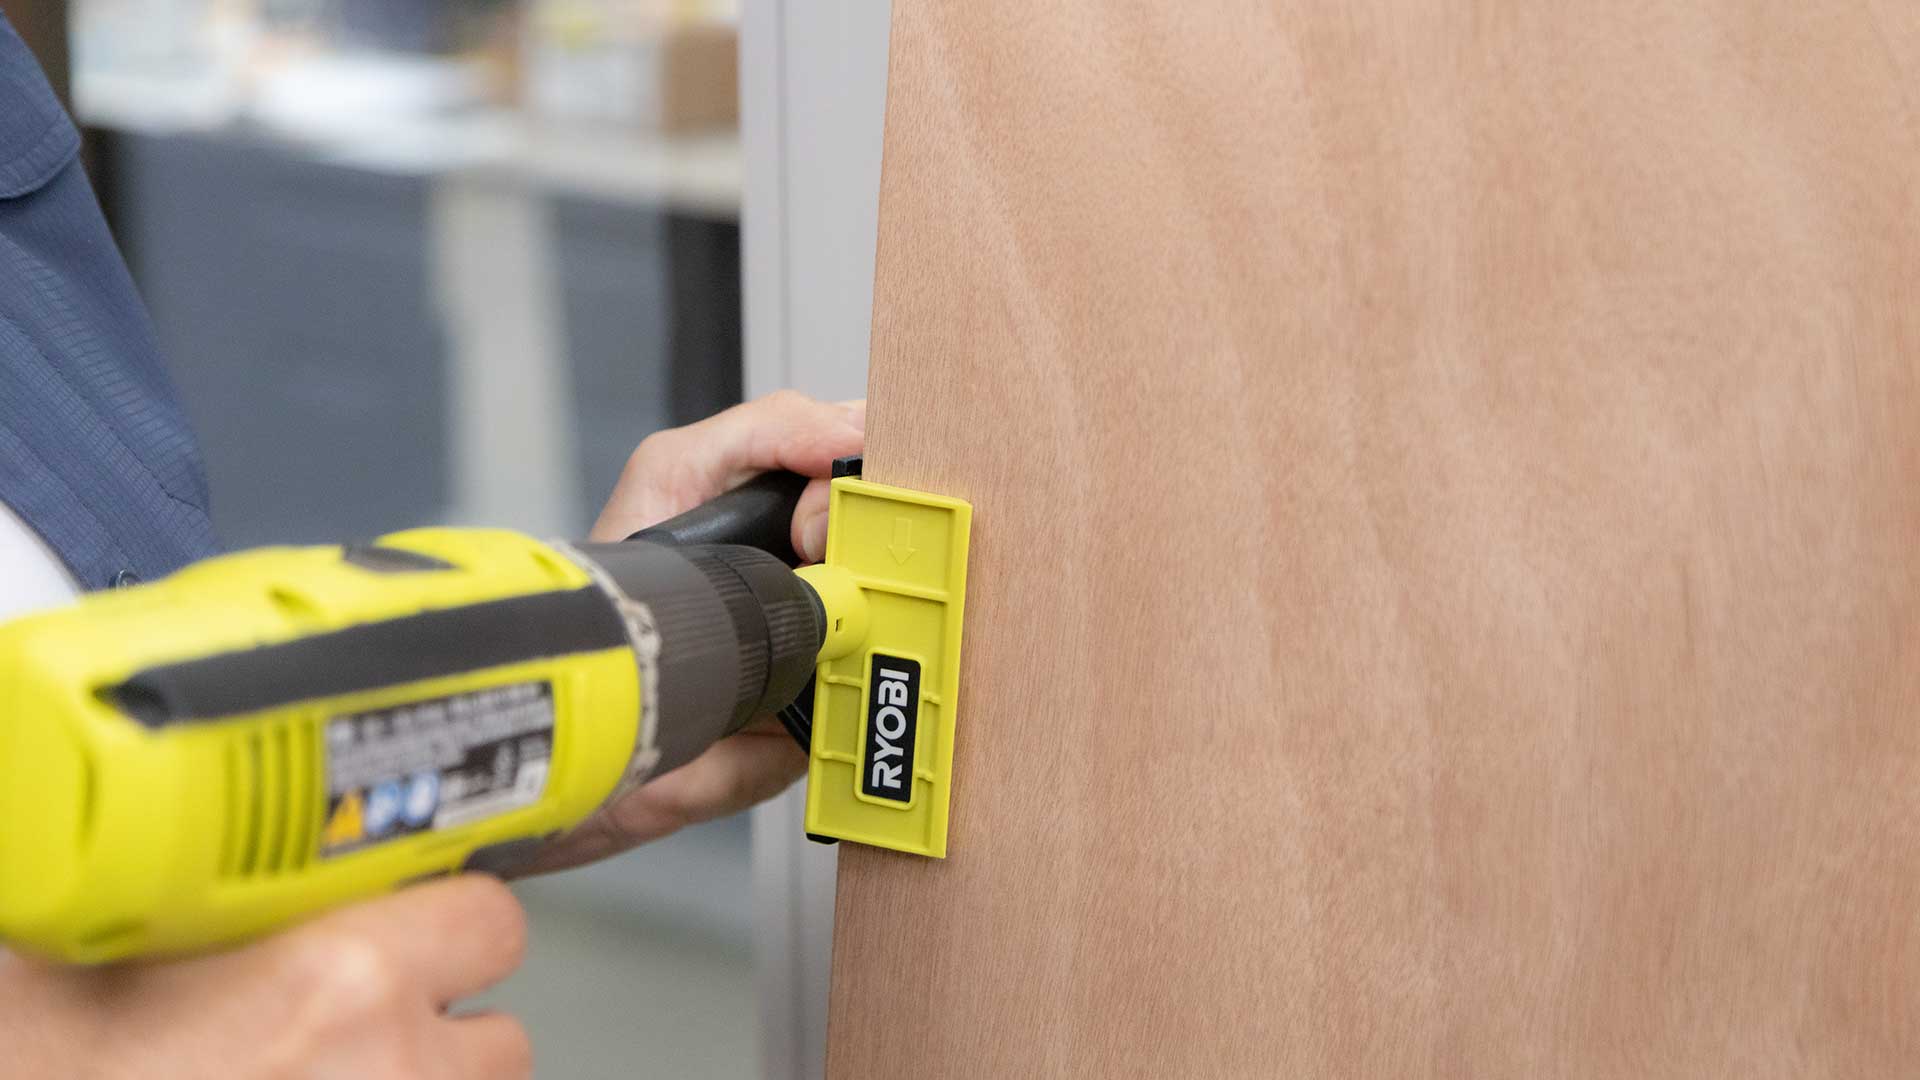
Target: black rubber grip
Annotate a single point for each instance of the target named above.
(758, 513)
(372, 655)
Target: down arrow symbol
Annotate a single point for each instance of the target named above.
(902, 546)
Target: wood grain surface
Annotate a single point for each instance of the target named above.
(1445, 598)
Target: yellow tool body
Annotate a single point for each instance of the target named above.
(121, 839)
(267, 735)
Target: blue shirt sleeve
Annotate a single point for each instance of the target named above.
(95, 452)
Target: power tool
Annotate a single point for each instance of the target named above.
(266, 735)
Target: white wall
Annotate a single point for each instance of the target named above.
(813, 78)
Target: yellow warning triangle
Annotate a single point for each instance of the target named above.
(345, 826)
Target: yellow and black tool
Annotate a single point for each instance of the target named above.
(266, 735)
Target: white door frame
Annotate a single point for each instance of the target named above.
(813, 79)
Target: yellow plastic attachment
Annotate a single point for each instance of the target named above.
(883, 714)
(840, 594)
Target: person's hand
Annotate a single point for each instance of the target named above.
(678, 469)
(674, 471)
(360, 992)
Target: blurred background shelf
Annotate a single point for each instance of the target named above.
(345, 171)
(697, 173)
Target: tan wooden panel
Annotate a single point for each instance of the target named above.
(1444, 597)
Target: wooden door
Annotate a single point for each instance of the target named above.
(1445, 598)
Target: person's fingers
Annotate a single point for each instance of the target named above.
(784, 430)
(455, 936)
(733, 774)
(659, 808)
(680, 468)
(485, 1045)
(810, 522)
(856, 410)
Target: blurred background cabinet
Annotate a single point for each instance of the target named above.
(297, 301)
(293, 301)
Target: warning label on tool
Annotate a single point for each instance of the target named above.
(435, 764)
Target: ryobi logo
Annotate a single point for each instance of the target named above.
(893, 717)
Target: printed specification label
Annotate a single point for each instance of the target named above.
(435, 764)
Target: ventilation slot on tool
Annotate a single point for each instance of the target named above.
(273, 797)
